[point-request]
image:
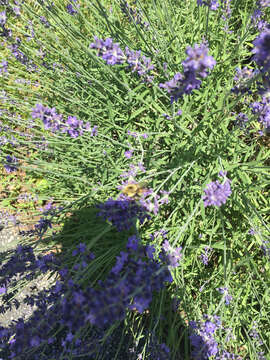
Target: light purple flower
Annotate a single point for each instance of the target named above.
(128, 153)
(216, 193)
(11, 164)
(3, 67)
(227, 297)
(3, 290)
(262, 110)
(262, 50)
(171, 255)
(3, 18)
(212, 4)
(205, 255)
(195, 66)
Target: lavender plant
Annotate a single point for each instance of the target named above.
(172, 98)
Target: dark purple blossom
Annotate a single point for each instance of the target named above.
(266, 249)
(49, 117)
(198, 60)
(139, 63)
(243, 79)
(128, 153)
(262, 110)
(3, 67)
(195, 65)
(262, 50)
(241, 120)
(3, 18)
(216, 193)
(72, 7)
(172, 256)
(17, 10)
(3, 290)
(133, 14)
(205, 255)
(113, 54)
(11, 163)
(227, 297)
(44, 21)
(108, 50)
(212, 4)
(123, 212)
(264, 3)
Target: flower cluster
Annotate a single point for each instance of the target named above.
(3, 18)
(241, 120)
(113, 54)
(133, 14)
(54, 122)
(212, 4)
(10, 164)
(261, 50)
(257, 341)
(262, 111)
(225, 292)
(243, 78)
(205, 255)
(57, 307)
(72, 7)
(20, 56)
(170, 255)
(203, 342)
(195, 65)
(266, 249)
(3, 67)
(216, 193)
(123, 212)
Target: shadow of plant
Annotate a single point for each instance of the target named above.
(94, 306)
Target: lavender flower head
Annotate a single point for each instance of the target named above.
(113, 54)
(171, 255)
(3, 67)
(48, 116)
(11, 164)
(227, 297)
(262, 50)
(71, 7)
(3, 18)
(108, 50)
(242, 79)
(123, 212)
(216, 193)
(262, 110)
(212, 4)
(202, 338)
(266, 249)
(195, 65)
(198, 60)
(264, 3)
(205, 255)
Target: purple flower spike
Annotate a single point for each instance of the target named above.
(10, 165)
(262, 110)
(71, 10)
(171, 255)
(262, 50)
(216, 193)
(198, 60)
(205, 255)
(109, 51)
(225, 292)
(3, 18)
(212, 4)
(195, 65)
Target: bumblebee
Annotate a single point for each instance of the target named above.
(134, 191)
